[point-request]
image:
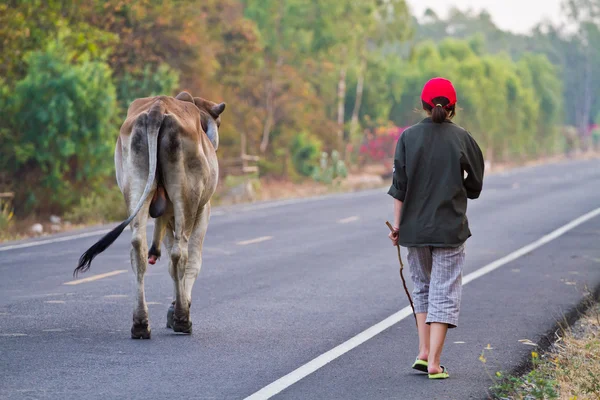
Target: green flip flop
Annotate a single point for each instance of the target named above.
(420, 365)
(441, 375)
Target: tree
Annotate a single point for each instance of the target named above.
(63, 128)
(384, 22)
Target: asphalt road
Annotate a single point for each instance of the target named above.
(282, 283)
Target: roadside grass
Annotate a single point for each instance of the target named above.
(6, 220)
(569, 370)
(99, 208)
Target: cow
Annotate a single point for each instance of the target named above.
(166, 168)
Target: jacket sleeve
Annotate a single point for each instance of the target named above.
(399, 180)
(473, 164)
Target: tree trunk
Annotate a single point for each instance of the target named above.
(270, 106)
(358, 99)
(269, 119)
(341, 95)
(271, 87)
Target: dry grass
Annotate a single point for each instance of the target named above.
(281, 189)
(570, 370)
(99, 208)
(576, 359)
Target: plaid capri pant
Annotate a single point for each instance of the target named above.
(437, 277)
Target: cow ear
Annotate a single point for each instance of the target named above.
(217, 109)
(212, 108)
(185, 96)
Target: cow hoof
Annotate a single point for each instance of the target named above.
(140, 331)
(170, 314)
(182, 326)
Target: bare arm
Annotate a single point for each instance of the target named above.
(398, 189)
(395, 234)
(397, 213)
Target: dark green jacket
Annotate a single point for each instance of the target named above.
(429, 167)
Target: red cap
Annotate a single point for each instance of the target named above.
(438, 87)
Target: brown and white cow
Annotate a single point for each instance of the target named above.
(166, 167)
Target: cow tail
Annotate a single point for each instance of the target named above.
(151, 123)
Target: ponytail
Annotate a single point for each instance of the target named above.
(439, 114)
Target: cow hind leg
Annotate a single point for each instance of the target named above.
(195, 251)
(194, 263)
(175, 178)
(139, 250)
(178, 261)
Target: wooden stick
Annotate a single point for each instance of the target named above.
(402, 275)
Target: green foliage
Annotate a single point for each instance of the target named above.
(305, 151)
(27, 25)
(538, 384)
(268, 167)
(512, 108)
(534, 385)
(62, 126)
(149, 82)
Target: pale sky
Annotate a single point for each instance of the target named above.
(518, 16)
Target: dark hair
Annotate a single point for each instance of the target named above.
(440, 114)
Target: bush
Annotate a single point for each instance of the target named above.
(63, 128)
(380, 145)
(305, 151)
(100, 207)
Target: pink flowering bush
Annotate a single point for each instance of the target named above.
(380, 144)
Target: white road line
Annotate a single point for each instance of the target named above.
(95, 277)
(60, 239)
(325, 358)
(348, 220)
(253, 241)
(55, 302)
(532, 246)
(55, 240)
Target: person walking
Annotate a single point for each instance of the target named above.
(437, 167)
